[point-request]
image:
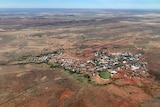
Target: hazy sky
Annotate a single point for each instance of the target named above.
(129, 4)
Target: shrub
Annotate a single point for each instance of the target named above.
(55, 66)
(86, 76)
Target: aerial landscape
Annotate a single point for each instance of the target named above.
(65, 57)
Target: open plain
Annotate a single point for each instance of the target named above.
(34, 42)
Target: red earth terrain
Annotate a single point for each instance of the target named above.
(55, 88)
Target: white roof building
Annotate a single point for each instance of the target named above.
(134, 68)
(112, 71)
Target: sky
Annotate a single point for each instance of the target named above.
(108, 4)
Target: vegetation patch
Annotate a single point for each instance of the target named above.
(45, 54)
(87, 77)
(105, 75)
(25, 57)
(55, 66)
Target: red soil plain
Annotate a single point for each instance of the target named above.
(78, 34)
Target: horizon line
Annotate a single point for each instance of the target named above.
(80, 8)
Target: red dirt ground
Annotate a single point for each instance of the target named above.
(65, 94)
(87, 52)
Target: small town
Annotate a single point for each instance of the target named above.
(102, 61)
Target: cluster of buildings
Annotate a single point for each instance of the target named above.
(115, 62)
(43, 58)
(101, 61)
